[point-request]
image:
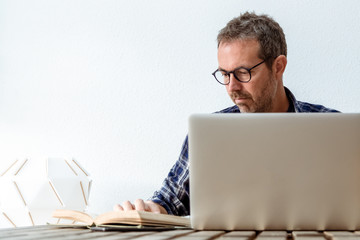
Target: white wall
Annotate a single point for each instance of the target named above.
(112, 83)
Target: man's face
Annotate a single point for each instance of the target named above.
(257, 95)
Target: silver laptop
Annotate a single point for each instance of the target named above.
(281, 171)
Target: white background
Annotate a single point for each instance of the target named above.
(112, 83)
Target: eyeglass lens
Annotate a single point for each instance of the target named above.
(243, 75)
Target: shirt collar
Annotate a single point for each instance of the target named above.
(292, 100)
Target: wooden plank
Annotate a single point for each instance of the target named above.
(202, 235)
(95, 235)
(344, 238)
(308, 235)
(22, 231)
(117, 236)
(241, 235)
(19, 229)
(340, 233)
(175, 232)
(40, 235)
(148, 235)
(310, 238)
(273, 235)
(132, 235)
(53, 233)
(336, 235)
(172, 234)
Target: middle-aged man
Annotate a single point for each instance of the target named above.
(252, 59)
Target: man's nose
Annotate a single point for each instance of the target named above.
(234, 84)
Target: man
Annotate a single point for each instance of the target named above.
(252, 59)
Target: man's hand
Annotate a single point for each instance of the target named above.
(140, 205)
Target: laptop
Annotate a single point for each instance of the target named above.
(275, 171)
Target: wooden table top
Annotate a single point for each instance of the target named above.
(54, 233)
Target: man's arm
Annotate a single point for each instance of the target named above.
(173, 197)
(174, 193)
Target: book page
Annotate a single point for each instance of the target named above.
(74, 215)
(141, 218)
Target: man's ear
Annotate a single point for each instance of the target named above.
(279, 66)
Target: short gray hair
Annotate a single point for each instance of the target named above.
(262, 28)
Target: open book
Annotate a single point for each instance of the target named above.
(134, 218)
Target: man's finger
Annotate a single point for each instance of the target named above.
(153, 207)
(127, 206)
(140, 205)
(118, 207)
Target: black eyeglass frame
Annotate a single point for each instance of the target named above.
(233, 71)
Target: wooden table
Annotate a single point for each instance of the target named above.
(54, 233)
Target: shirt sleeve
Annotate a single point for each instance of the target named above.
(174, 193)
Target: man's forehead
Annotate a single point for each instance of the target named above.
(243, 52)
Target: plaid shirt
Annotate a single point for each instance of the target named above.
(174, 193)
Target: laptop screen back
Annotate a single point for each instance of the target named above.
(280, 171)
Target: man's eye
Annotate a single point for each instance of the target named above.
(241, 72)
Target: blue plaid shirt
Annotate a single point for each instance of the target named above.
(174, 193)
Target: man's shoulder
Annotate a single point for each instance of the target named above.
(232, 109)
(310, 107)
(305, 106)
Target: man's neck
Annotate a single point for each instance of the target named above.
(282, 103)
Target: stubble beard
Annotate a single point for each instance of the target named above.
(262, 103)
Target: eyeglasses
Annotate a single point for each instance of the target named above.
(242, 74)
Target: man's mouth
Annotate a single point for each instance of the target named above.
(240, 100)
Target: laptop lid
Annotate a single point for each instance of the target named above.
(280, 171)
